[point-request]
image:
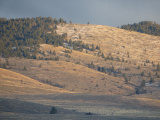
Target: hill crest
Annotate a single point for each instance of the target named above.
(139, 46)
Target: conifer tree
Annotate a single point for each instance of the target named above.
(151, 80)
(25, 69)
(158, 67)
(143, 83)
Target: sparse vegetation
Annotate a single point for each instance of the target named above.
(91, 65)
(142, 73)
(56, 58)
(158, 67)
(53, 110)
(25, 69)
(143, 83)
(151, 80)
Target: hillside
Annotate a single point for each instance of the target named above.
(117, 42)
(15, 83)
(70, 76)
(123, 60)
(99, 69)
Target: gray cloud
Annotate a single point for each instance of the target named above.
(105, 12)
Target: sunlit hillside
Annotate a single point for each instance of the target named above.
(131, 46)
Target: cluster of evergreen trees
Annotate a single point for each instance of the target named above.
(79, 46)
(148, 27)
(18, 35)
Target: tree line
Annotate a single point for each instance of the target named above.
(21, 36)
(148, 27)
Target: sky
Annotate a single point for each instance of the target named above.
(103, 12)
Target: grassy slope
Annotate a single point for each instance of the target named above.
(71, 76)
(80, 79)
(15, 83)
(140, 46)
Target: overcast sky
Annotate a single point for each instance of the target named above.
(104, 12)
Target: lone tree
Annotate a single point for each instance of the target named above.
(53, 110)
(70, 21)
(143, 83)
(25, 69)
(151, 80)
(158, 67)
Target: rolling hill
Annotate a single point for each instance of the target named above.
(15, 83)
(130, 51)
(118, 42)
(108, 76)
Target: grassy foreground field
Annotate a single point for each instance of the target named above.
(34, 101)
(75, 107)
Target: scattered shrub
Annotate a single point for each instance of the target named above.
(53, 110)
(140, 90)
(151, 80)
(89, 113)
(142, 73)
(143, 83)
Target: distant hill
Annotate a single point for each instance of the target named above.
(148, 27)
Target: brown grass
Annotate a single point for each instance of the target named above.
(15, 83)
(112, 40)
(72, 77)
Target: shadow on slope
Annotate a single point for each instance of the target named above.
(16, 106)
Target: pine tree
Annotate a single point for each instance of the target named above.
(7, 62)
(99, 68)
(151, 80)
(104, 69)
(143, 83)
(112, 68)
(1, 65)
(70, 22)
(149, 74)
(103, 55)
(4, 66)
(158, 67)
(142, 73)
(139, 67)
(126, 80)
(25, 69)
(53, 110)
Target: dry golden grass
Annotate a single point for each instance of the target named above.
(72, 77)
(15, 83)
(140, 46)
(81, 79)
(78, 77)
(66, 76)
